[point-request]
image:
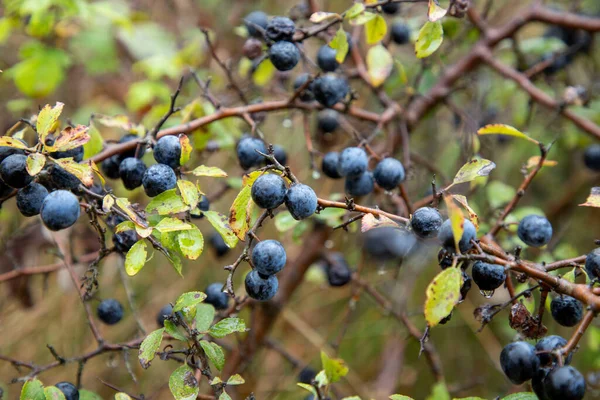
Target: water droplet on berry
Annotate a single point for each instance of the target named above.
(487, 293)
(316, 174)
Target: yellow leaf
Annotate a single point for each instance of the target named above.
(263, 73)
(136, 258)
(34, 163)
(214, 172)
(340, 44)
(189, 192)
(430, 38)
(457, 220)
(379, 64)
(355, 10)
(443, 293)
(593, 199)
(472, 214)
(501, 129)
(535, 160)
(107, 203)
(47, 120)
(473, 169)
(186, 149)
(125, 206)
(375, 29)
(83, 172)
(12, 142)
(70, 138)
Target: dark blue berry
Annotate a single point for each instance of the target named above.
(216, 296)
(268, 191)
(389, 173)
(390, 8)
(301, 201)
(110, 311)
(535, 230)
(247, 152)
(280, 28)
(218, 244)
(360, 185)
(284, 55)
(256, 19)
(338, 271)
(400, 33)
(446, 236)
(76, 154)
(353, 161)
(328, 121)
(162, 315)
(591, 157)
(488, 276)
(124, 241)
(60, 210)
(466, 286)
(326, 58)
(559, 62)
(564, 383)
(307, 375)
(132, 171)
(279, 154)
(329, 165)
(330, 89)
(31, 198)
(13, 171)
(444, 258)
(68, 390)
(519, 362)
(566, 310)
(158, 178)
(426, 222)
(268, 257)
(307, 94)
(6, 151)
(387, 243)
(546, 346)
(59, 178)
(537, 383)
(110, 167)
(129, 153)
(203, 205)
(168, 151)
(260, 288)
(592, 264)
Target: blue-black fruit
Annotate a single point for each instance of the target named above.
(279, 154)
(218, 244)
(307, 375)
(328, 120)
(247, 154)
(280, 28)
(338, 271)
(387, 243)
(68, 390)
(132, 171)
(426, 222)
(60, 210)
(284, 55)
(466, 286)
(546, 346)
(110, 166)
(13, 171)
(488, 276)
(353, 161)
(301, 201)
(6, 151)
(129, 153)
(216, 296)
(326, 58)
(168, 151)
(446, 237)
(519, 362)
(31, 198)
(162, 315)
(307, 94)
(592, 264)
(124, 241)
(390, 8)
(566, 310)
(59, 178)
(360, 185)
(268, 257)
(158, 178)
(261, 288)
(388, 173)
(535, 230)
(400, 33)
(330, 89)
(76, 154)
(256, 19)
(110, 311)
(329, 165)
(268, 191)
(591, 157)
(564, 383)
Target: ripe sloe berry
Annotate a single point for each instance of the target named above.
(519, 362)
(466, 286)
(353, 161)
(284, 55)
(400, 33)
(326, 58)
(566, 310)
(279, 154)
(390, 8)
(129, 153)
(387, 243)
(6, 151)
(591, 157)
(203, 205)
(426, 222)
(247, 154)
(301, 201)
(446, 236)
(59, 178)
(329, 165)
(60, 210)
(268, 191)
(110, 311)
(338, 271)
(124, 241)
(13, 171)
(444, 258)
(327, 121)
(254, 19)
(68, 390)
(110, 167)
(388, 173)
(280, 28)
(330, 89)
(218, 244)
(592, 264)
(168, 151)
(360, 185)
(259, 288)
(268, 257)
(158, 178)
(548, 344)
(131, 172)
(31, 198)
(162, 315)
(76, 154)
(216, 297)
(537, 383)
(488, 276)
(535, 230)
(307, 375)
(253, 48)
(5, 190)
(306, 94)
(564, 383)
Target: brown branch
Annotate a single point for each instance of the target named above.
(365, 210)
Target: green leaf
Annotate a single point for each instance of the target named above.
(34, 163)
(33, 390)
(236, 380)
(41, 71)
(355, 10)
(87, 395)
(136, 258)
(379, 64)
(400, 397)
(439, 390)
(189, 192)
(499, 193)
(215, 353)
(362, 18)
(321, 379)
(443, 293)
(375, 29)
(340, 44)
(430, 38)
(149, 347)
(305, 386)
(172, 330)
(226, 327)
(53, 393)
(191, 243)
(335, 368)
(263, 73)
(214, 172)
(224, 396)
(205, 314)
(501, 129)
(188, 299)
(521, 396)
(183, 384)
(168, 202)
(172, 225)
(352, 398)
(473, 169)
(220, 223)
(332, 216)
(94, 145)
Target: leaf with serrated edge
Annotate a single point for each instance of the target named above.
(227, 326)
(340, 44)
(47, 120)
(70, 138)
(502, 129)
(435, 12)
(191, 243)
(183, 383)
(215, 354)
(149, 347)
(136, 258)
(220, 223)
(429, 39)
(214, 172)
(375, 29)
(205, 314)
(188, 299)
(34, 163)
(7, 141)
(186, 149)
(443, 293)
(33, 390)
(379, 64)
(593, 200)
(189, 192)
(370, 221)
(168, 202)
(473, 169)
(169, 224)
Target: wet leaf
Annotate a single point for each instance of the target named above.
(379, 64)
(149, 347)
(191, 243)
(189, 192)
(34, 163)
(83, 172)
(501, 129)
(430, 38)
(205, 314)
(220, 223)
(168, 202)
(188, 299)
(183, 384)
(70, 138)
(443, 293)
(12, 142)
